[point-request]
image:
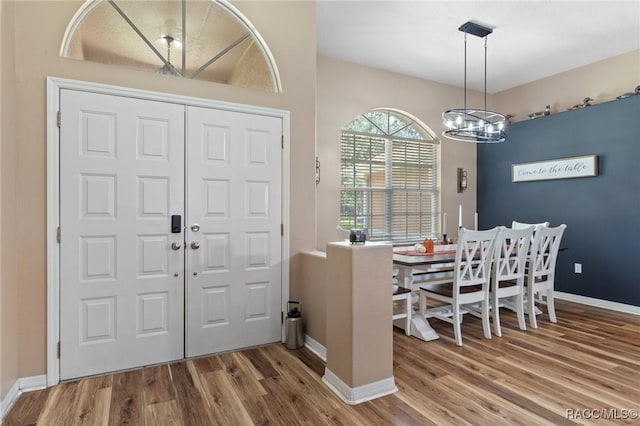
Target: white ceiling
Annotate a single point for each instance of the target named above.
(531, 39)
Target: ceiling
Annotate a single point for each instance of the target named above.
(530, 40)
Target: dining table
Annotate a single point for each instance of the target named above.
(417, 268)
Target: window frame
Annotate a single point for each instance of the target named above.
(224, 6)
(359, 212)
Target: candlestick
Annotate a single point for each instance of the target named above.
(475, 221)
(444, 223)
(460, 216)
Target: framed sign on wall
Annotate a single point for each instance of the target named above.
(562, 168)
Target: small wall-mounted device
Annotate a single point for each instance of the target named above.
(357, 236)
(462, 180)
(317, 171)
(176, 224)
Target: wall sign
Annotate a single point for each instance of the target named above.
(563, 168)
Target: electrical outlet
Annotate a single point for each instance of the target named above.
(578, 268)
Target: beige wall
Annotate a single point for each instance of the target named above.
(9, 342)
(314, 295)
(346, 90)
(289, 30)
(602, 81)
(359, 338)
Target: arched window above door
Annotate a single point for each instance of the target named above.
(200, 39)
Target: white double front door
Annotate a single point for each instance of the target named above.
(136, 286)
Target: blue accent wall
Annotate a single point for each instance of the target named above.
(602, 213)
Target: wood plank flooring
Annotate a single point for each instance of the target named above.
(578, 371)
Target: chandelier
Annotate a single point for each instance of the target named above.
(473, 124)
(168, 68)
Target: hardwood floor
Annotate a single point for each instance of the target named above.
(585, 366)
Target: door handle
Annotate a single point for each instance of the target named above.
(176, 245)
(195, 245)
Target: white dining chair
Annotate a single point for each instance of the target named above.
(520, 225)
(402, 309)
(508, 273)
(541, 272)
(468, 286)
(536, 226)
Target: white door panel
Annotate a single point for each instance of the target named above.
(122, 286)
(121, 179)
(234, 195)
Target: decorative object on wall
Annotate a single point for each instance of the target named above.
(585, 103)
(462, 180)
(563, 168)
(635, 92)
(538, 114)
(473, 124)
(317, 171)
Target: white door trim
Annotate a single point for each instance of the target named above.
(54, 85)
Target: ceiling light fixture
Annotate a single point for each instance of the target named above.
(474, 125)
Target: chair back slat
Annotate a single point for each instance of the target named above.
(473, 257)
(537, 226)
(545, 252)
(510, 255)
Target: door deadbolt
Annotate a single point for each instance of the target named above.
(176, 245)
(195, 227)
(195, 245)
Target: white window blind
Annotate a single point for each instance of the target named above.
(389, 186)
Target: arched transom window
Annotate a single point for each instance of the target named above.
(201, 39)
(388, 177)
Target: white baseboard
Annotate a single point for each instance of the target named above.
(598, 303)
(315, 347)
(28, 384)
(358, 394)
(24, 384)
(10, 399)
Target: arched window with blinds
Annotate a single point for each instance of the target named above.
(389, 177)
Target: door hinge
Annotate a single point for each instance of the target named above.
(281, 317)
(282, 140)
(282, 229)
(58, 349)
(58, 234)
(59, 119)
